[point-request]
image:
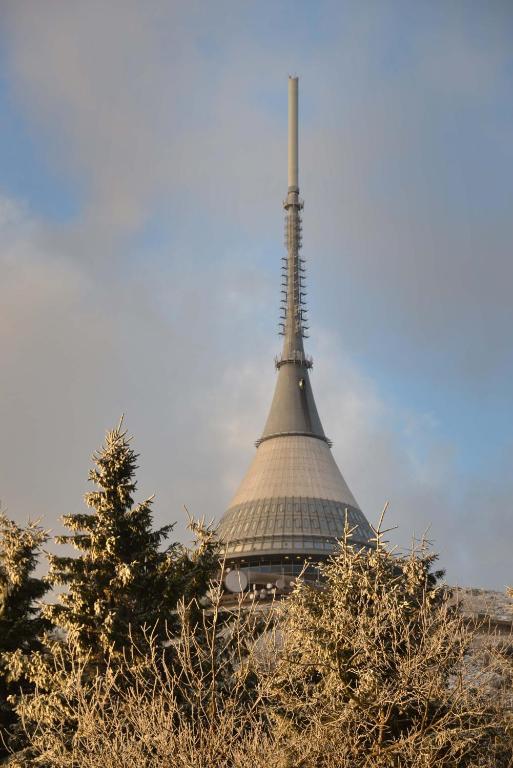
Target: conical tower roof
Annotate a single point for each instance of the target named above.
(293, 500)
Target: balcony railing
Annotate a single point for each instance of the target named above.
(296, 357)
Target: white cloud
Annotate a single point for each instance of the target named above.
(172, 106)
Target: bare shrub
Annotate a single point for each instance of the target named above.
(376, 670)
(371, 670)
(193, 704)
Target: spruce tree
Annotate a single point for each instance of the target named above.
(123, 582)
(21, 625)
(123, 586)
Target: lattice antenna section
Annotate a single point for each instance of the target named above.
(293, 316)
(293, 270)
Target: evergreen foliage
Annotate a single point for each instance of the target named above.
(21, 625)
(123, 588)
(122, 579)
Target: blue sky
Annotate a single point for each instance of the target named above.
(27, 174)
(143, 164)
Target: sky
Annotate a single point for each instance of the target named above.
(142, 171)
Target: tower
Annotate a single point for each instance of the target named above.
(292, 503)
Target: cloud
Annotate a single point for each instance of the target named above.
(389, 453)
(54, 344)
(159, 298)
(129, 106)
(77, 352)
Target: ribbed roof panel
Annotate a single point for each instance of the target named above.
(293, 499)
(293, 465)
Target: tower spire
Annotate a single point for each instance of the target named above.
(293, 502)
(293, 410)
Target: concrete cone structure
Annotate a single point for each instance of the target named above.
(292, 504)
